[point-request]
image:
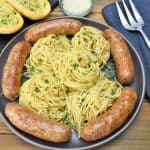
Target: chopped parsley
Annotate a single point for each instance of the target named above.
(114, 90)
(84, 33)
(46, 81)
(94, 62)
(53, 37)
(39, 46)
(75, 65)
(109, 70)
(32, 69)
(30, 103)
(32, 94)
(57, 37)
(67, 119)
(40, 61)
(84, 28)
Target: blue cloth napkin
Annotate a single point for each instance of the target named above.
(111, 16)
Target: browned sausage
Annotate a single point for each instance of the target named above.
(13, 68)
(112, 119)
(60, 26)
(36, 125)
(121, 56)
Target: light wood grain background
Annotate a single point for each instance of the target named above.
(136, 137)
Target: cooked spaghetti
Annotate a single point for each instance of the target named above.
(66, 81)
(83, 106)
(44, 52)
(92, 39)
(44, 94)
(79, 70)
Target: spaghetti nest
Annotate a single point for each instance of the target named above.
(44, 52)
(66, 81)
(78, 70)
(92, 39)
(45, 95)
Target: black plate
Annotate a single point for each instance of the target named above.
(75, 143)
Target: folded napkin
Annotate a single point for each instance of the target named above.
(111, 16)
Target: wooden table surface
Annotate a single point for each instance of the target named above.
(136, 137)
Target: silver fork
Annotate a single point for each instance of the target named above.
(133, 24)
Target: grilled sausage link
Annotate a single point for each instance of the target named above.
(36, 125)
(113, 118)
(13, 68)
(60, 26)
(121, 56)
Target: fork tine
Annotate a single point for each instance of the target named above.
(136, 13)
(129, 15)
(121, 16)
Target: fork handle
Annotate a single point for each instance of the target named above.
(147, 41)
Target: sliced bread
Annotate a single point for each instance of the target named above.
(32, 9)
(10, 20)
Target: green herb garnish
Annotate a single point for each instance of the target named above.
(94, 62)
(75, 65)
(46, 81)
(32, 69)
(40, 61)
(109, 70)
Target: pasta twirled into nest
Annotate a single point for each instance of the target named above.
(44, 52)
(44, 94)
(66, 82)
(79, 70)
(92, 39)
